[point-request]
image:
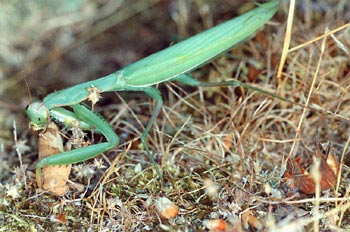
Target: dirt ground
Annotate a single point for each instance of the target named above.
(232, 159)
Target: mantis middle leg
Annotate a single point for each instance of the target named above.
(155, 94)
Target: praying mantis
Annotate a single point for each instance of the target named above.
(171, 64)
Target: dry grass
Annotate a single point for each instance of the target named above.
(222, 151)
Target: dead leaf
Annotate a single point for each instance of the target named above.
(59, 218)
(211, 188)
(253, 73)
(298, 178)
(227, 141)
(216, 225)
(54, 177)
(249, 220)
(166, 208)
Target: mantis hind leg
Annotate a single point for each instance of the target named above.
(188, 80)
(84, 153)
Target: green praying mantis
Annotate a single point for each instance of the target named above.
(170, 64)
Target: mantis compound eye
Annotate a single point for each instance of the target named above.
(38, 114)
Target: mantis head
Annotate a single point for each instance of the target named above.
(39, 115)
